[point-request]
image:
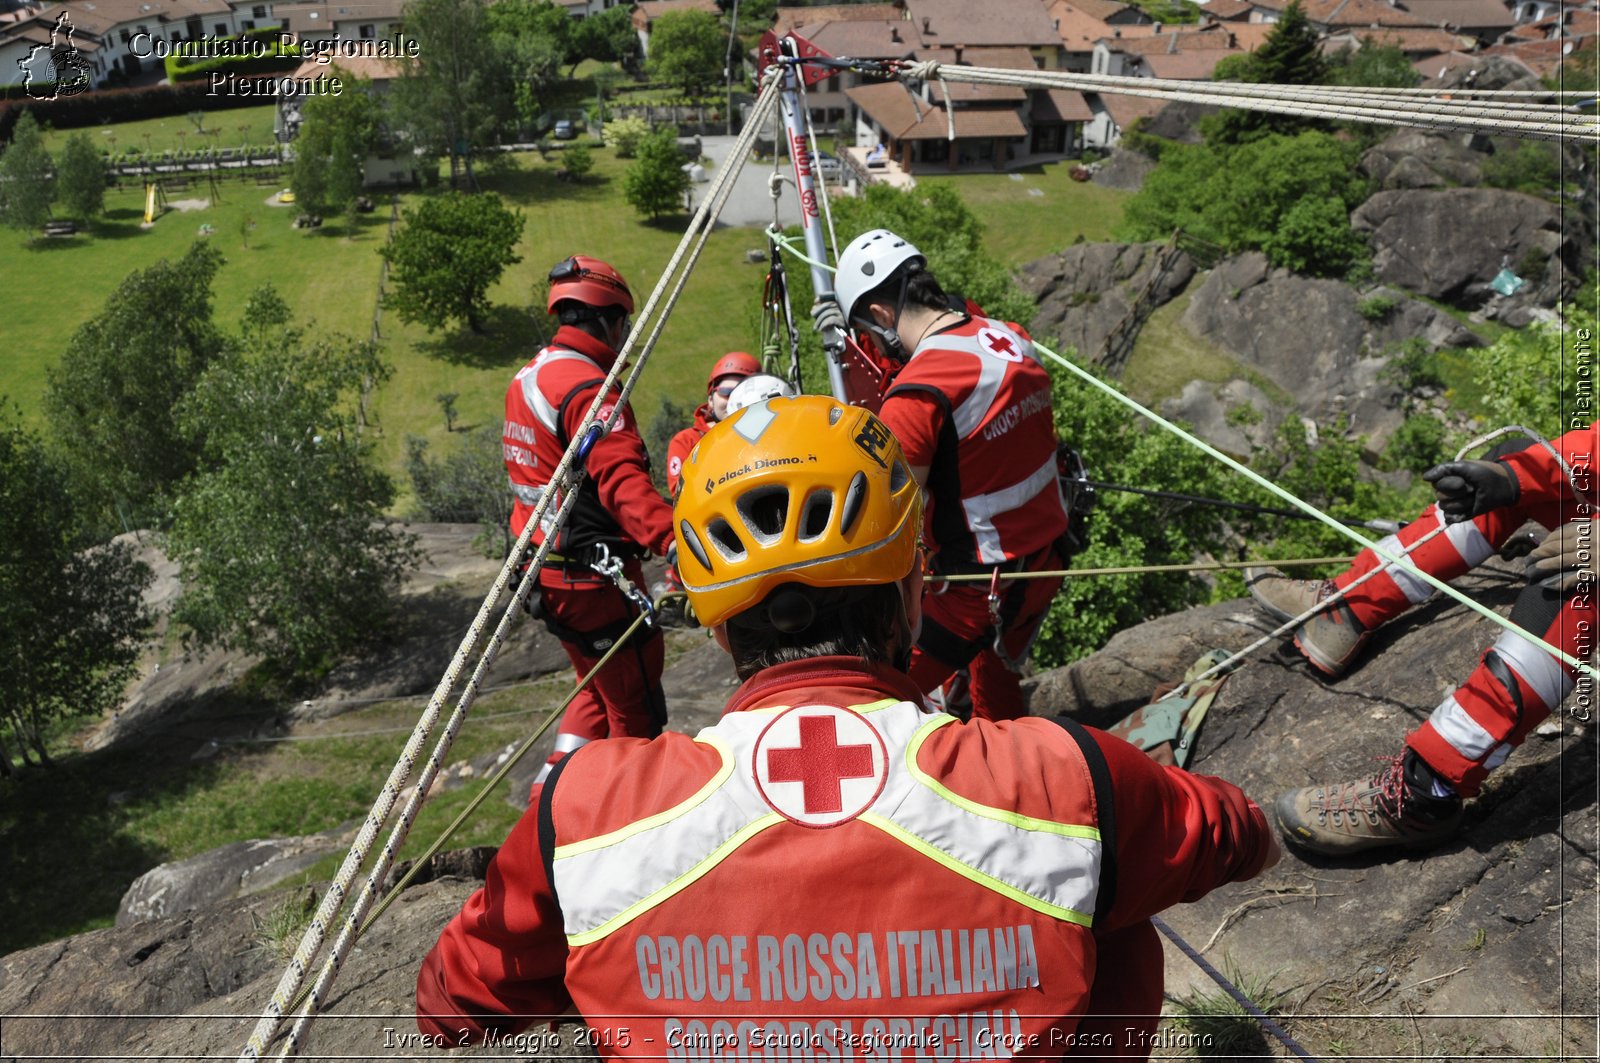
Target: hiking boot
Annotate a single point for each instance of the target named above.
(1331, 639)
(1396, 807)
(1282, 598)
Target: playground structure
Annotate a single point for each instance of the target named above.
(155, 201)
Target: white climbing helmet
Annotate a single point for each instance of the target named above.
(867, 262)
(758, 388)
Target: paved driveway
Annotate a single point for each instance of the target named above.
(750, 202)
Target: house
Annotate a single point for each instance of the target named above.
(992, 125)
(1333, 16)
(1111, 113)
(1184, 55)
(1226, 11)
(1539, 10)
(350, 20)
(1544, 58)
(120, 40)
(581, 9)
(876, 39)
(1417, 42)
(991, 24)
(788, 18)
(1079, 24)
(646, 12)
(1484, 19)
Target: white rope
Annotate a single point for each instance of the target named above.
(568, 474)
(1509, 119)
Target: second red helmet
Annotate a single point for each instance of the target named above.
(734, 363)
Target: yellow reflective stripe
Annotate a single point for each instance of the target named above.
(639, 826)
(1000, 815)
(682, 882)
(967, 871)
(876, 706)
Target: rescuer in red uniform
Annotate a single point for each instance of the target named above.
(619, 516)
(971, 409)
(833, 869)
(1415, 801)
(726, 373)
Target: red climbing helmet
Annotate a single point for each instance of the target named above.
(588, 281)
(734, 363)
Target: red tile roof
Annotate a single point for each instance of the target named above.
(1466, 14)
(1060, 105)
(876, 39)
(790, 17)
(890, 106)
(1228, 10)
(1340, 13)
(992, 22)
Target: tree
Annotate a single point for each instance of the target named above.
(1290, 55)
(535, 36)
(608, 37)
(27, 180)
(576, 161)
(81, 178)
(656, 181)
(1289, 196)
(280, 532)
(70, 617)
(337, 135)
(624, 135)
(466, 486)
(1374, 65)
(109, 402)
(447, 406)
(457, 95)
(448, 252)
(1533, 376)
(686, 48)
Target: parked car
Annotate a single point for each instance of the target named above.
(828, 165)
(565, 130)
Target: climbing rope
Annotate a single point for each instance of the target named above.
(1483, 112)
(1138, 570)
(567, 474)
(1266, 1021)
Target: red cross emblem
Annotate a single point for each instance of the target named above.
(1000, 344)
(836, 757)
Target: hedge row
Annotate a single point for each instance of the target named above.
(120, 105)
(281, 60)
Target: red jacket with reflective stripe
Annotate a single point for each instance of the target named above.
(977, 392)
(684, 442)
(545, 406)
(683, 889)
(1541, 477)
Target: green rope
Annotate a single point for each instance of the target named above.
(1400, 561)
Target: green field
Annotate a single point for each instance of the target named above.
(330, 276)
(250, 126)
(1038, 210)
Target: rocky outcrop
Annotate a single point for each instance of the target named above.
(1449, 243)
(221, 874)
(1085, 292)
(1124, 170)
(1487, 941)
(1420, 158)
(1321, 341)
(1236, 416)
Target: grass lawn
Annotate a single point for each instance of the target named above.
(324, 274)
(1038, 210)
(121, 813)
(222, 129)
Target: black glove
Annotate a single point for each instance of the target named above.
(1468, 489)
(1519, 545)
(1566, 557)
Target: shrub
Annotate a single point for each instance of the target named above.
(623, 136)
(1377, 307)
(1416, 446)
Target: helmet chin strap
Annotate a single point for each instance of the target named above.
(887, 337)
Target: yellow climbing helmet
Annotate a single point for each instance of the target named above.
(793, 490)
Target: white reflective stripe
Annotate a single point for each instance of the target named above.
(970, 414)
(1413, 588)
(1469, 542)
(1498, 757)
(1537, 666)
(605, 882)
(983, 509)
(546, 413)
(1465, 735)
(566, 743)
(528, 494)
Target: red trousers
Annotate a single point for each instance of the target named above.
(1517, 682)
(958, 631)
(588, 613)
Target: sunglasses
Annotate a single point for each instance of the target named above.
(724, 390)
